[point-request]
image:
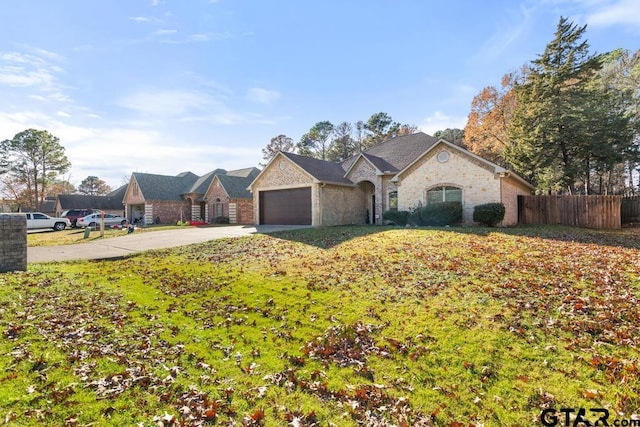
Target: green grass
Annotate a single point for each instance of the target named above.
(72, 236)
(344, 325)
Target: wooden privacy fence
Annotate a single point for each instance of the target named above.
(630, 210)
(578, 211)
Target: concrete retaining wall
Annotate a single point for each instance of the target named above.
(13, 242)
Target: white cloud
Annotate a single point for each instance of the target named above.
(616, 13)
(262, 96)
(164, 32)
(598, 13)
(52, 56)
(114, 151)
(166, 103)
(63, 114)
(200, 37)
(507, 34)
(27, 70)
(440, 121)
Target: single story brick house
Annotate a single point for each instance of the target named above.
(110, 203)
(184, 197)
(229, 198)
(400, 173)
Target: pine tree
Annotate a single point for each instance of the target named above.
(552, 128)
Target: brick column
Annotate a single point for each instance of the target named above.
(13, 242)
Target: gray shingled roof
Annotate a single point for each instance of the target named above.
(381, 164)
(392, 156)
(236, 186)
(119, 193)
(164, 187)
(202, 184)
(82, 201)
(400, 152)
(244, 173)
(319, 169)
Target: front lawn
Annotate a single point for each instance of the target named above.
(332, 326)
(72, 236)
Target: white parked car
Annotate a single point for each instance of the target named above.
(40, 221)
(94, 220)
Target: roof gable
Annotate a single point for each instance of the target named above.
(496, 169)
(202, 184)
(380, 165)
(164, 187)
(235, 178)
(320, 170)
(395, 154)
(236, 186)
(119, 193)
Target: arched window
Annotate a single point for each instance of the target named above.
(393, 200)
(218, 208)
(444, 194)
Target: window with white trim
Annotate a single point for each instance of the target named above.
(444, 194)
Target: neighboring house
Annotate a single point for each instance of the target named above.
(400, 173)
(110, 203)
(186, 196)
(49, 206)
(229, 198)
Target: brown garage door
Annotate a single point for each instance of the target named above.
(286, 206)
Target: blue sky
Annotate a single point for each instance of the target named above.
(165, 86)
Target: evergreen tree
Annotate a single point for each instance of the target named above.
(552, 128)
(316, 143)
(32, 160)
(93, 186)
(277, 144)
(343, 145)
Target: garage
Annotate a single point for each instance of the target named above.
(291, 206)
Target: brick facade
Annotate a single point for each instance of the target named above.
(218, 201)
(239, 211)
(363, 171)
(342, 205)
(244, 209)
(477, 180)
(167, 212)
(511, 189)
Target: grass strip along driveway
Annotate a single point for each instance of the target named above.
(72, 236)
(332, 326)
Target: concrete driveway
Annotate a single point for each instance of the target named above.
(115, 247)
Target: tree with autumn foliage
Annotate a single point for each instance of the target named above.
(487, 130)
